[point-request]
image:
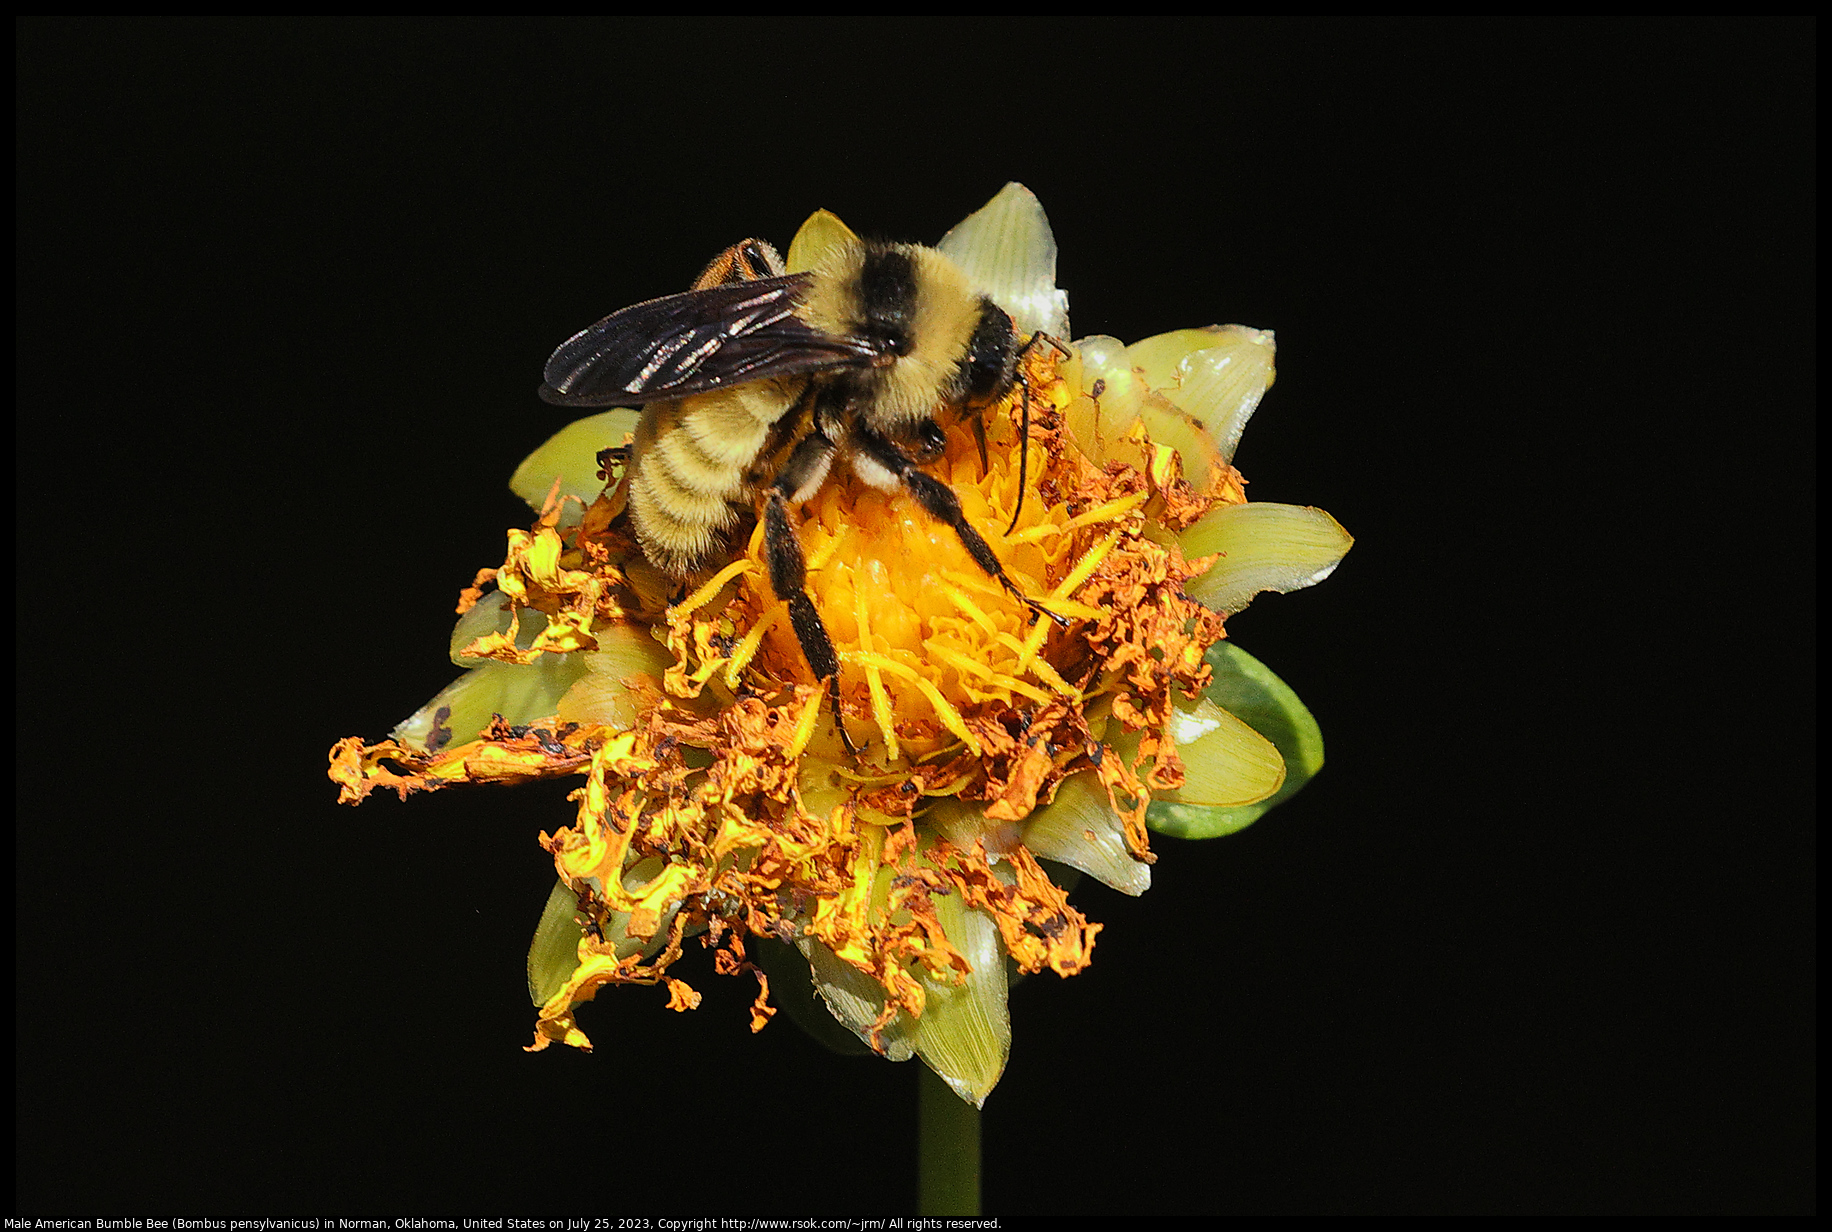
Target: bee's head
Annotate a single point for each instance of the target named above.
(992, 355)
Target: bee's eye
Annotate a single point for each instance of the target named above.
(990, 355)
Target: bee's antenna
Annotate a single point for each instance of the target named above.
(1024, 428)
(1023, 452)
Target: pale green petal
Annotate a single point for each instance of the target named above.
(1226, 763)
(1079, 828)
(1247, 689)
(964, 1033)
(519, 694)
(554, 955)
(1263, 546)
(854, 998)
(821, 789)
(1082, 418)
(962, 822)
(820, 235)
(1007, 250)
(1113, 396)
(792, 990)
(601, 696)
(1098, 358)
(571, 456)
(1160, 357)
(1216, 376)
(1169, 425)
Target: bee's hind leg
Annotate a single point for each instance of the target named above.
(805, 469)
(882, 464)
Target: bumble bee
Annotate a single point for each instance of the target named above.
(755, 381)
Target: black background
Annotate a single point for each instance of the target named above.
(1538, 938)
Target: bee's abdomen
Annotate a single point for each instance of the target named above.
(688, 472)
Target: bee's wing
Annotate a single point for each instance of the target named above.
(693, 342)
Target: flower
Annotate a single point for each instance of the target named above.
(718, 799)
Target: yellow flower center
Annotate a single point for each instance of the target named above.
(925, 636)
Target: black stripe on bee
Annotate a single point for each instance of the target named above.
(887, 294)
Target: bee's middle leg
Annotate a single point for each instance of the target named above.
(805, 469)
(885, 464)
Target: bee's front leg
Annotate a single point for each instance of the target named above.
(882, 464)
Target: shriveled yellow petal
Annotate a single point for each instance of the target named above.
(1262, 546)
(553, 956)
(487, 624)
(503, 754)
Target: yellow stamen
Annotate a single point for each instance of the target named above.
(1028, 661)
(1048, 675)
(1085, 567)
(824, 549)
(969, 609)
(949, 716)
(966, 666)
(804, 730)
(870, 780)
(880, 700)
(747, 649)
(951, 789)
(862, 617)
(1100, 513)
(881, 710)
(1070, 608)
(705, 594)
(980, 583)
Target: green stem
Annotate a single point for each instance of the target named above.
(947, 1149)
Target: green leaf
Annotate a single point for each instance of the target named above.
(1247, 689)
